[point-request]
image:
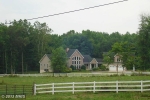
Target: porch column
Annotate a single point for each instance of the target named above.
(96, 65)
(90, 66)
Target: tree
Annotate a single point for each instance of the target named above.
(117, 49)
(144, 42)
(59, 60)
(108, 58)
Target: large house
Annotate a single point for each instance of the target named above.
(75, 58)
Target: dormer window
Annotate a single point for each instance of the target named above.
(118, 60)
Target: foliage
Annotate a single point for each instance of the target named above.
(144, 42)
(68, 70)
(83, 67)
(96, 69)
(59, 60)
(103, 68)
(108, 58)
(23, 44)
(73, 67)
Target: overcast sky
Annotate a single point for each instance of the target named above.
(121, 17)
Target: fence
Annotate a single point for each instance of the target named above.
(60, 74)
(92, 87)
(16, 89)
(76, 74)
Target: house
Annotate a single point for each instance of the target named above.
(45, 63)
(117, 62)
(75, 58)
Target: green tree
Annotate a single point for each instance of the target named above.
(144, 42)
(108, 58)
(59, 60)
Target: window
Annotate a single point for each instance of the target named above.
(118, 60)
(46, 70)
(47, 65)
(72, 62)
(76, 61)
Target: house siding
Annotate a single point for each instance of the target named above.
(45, 64)
(76, 61)
(117, 62)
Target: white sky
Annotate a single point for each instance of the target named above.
(121, 17)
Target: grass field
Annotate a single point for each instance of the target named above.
(82, 95)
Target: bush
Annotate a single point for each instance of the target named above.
(103, 68)
(68, 70)
(73, 67)
(95, 69)
(83, 67)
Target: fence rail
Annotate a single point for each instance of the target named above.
(73, 87)
(76, 74)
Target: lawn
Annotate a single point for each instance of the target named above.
(82, 95)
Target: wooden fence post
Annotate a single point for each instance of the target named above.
(52, 88)
(116, 86)
(34, 89)
(94, 87)
(73, 88)
(141, 86)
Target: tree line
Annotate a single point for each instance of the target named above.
(22, 44)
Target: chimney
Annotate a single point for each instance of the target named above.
(67, 49)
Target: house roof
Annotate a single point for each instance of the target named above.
(87, 58)
(99, 60)
(48, 55)
(70, 52)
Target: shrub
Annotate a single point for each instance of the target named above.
(95, 69)
(83, 67)
(73, 67)
(103, 67)
(68, 70)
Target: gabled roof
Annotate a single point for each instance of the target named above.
(87, 58)
(48, 55)
(71, 51)
(98, 59)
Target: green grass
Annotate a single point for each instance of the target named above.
(92, 96)
(82, 95)
(43, 80)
